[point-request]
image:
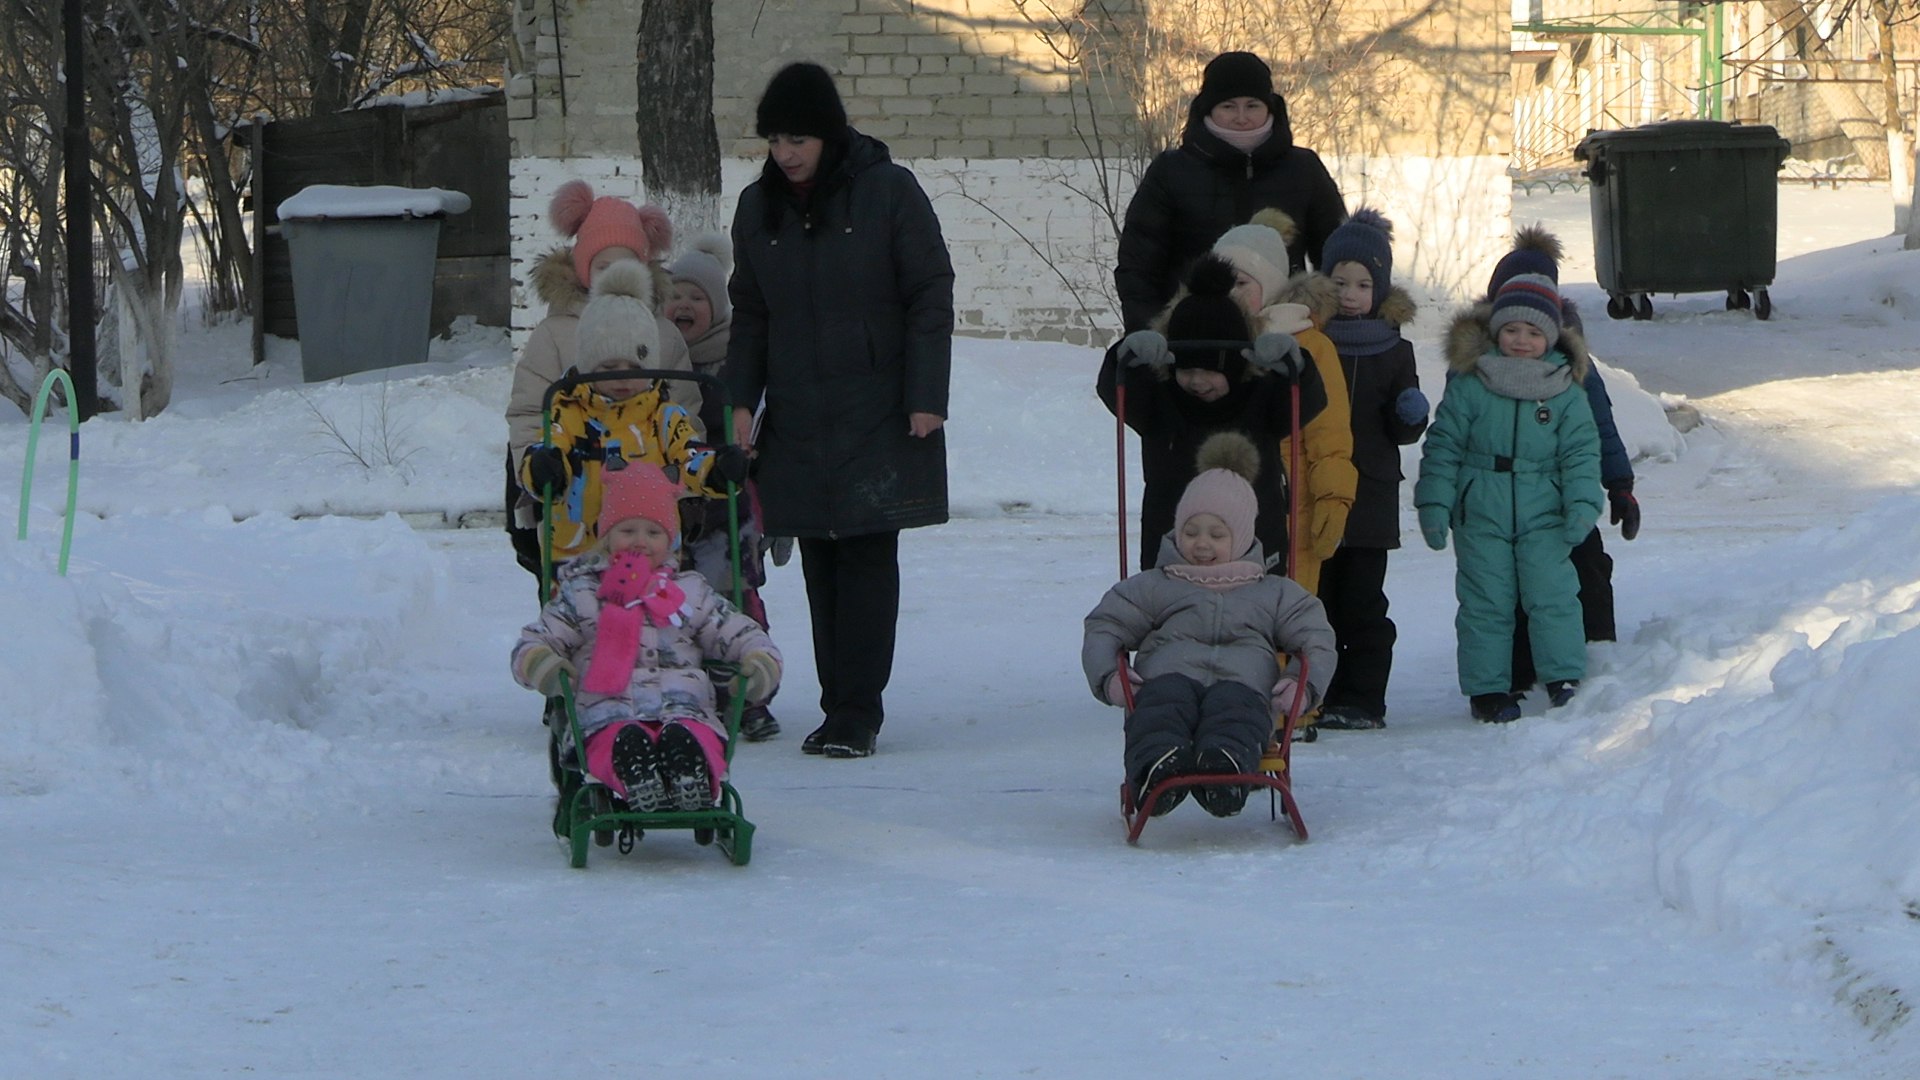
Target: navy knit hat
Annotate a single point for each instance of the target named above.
(1231, 75)
(1535, 251)
(801, 99)
(1530, 298)
(1365, 238)
(1209, 313)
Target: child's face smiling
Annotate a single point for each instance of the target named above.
(648, 537)
(1356, 288)
(1205, 539)
(1201, 383)
(689, 309)
(1522, 339)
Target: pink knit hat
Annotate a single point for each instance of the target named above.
(595, 225)
(640, 490)
(1222, 489)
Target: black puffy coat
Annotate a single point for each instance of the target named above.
(1192, 194)
(1374, 384)
(843, 316)
(1172, 424)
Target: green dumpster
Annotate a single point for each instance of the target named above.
(363, 264)
(1684, 206)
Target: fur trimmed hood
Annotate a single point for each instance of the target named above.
(558, 286)
(1313, 290)
(1468, 340)
(1398, 309)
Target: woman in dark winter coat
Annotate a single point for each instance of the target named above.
(1236, 157)
(843, 318)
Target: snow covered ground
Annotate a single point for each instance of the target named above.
(272, 805)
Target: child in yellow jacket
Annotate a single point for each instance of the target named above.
(1300, 306)
(606, 424)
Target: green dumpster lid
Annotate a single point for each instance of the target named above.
(1682, 135)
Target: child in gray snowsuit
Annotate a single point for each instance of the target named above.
(1208, 625)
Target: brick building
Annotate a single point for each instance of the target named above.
(1016, 127)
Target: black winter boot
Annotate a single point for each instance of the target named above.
(1561, 691)
(683, 769)
(1220, 800)
(636, 761)
(1495, 708)
(1175, 762)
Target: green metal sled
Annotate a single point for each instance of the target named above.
(587, 810)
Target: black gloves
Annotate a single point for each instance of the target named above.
(1624, 508)
(731, 462)
(547, 469)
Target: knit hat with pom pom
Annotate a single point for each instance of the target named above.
(597, 224)
(1258, 249)
(706, 267)
(1365, 238)
(618, 322)
(1209, 313)
(1228, 463)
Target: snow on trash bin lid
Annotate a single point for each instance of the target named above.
(319, 201)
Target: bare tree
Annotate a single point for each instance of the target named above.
(679, 148)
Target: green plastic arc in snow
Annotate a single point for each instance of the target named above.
(73, 459)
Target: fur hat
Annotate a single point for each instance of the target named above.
(595, 225)
(801, 99)
(706, 267)
(1231, 75)
(1535, 251)
(618, 322)
(1530, 298)
(1365, 238)
(640, 490)
(1209, 313)
(1228, 463)
(1258, 249)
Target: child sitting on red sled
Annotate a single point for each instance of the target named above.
(1212, 628)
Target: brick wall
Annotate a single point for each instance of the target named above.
(981, 108)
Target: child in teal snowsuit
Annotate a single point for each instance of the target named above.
(1511, 465)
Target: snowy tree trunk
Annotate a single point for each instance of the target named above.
(1913, 196)
(679, 149)
(1900, 181)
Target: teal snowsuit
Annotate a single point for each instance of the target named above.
(1519, 480)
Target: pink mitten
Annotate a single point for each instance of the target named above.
(1114, 694)
(1283, 692)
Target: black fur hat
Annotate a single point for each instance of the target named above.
(1209, 313)
(801, 99)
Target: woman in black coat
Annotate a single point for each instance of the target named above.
(1236, 157)
(843, 318)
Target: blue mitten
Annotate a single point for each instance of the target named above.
(1433, 526)
(1411, 406)
(1145, 348)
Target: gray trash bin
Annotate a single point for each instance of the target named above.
(363, 262)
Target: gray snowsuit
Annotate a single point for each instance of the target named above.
(1208, 657)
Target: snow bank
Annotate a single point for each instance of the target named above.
(320, 201)
(197, 659)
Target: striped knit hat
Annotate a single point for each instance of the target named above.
(1530, 298)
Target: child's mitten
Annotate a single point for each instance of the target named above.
(547, 469)
(1114, 693)
(543, 668)
(1624, 509)
(1145, 348)
(1276, 353)
(1411, 406)
(1433, 526)
(763, 675)
(1284, 691)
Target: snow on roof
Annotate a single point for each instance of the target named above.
(371, 201)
